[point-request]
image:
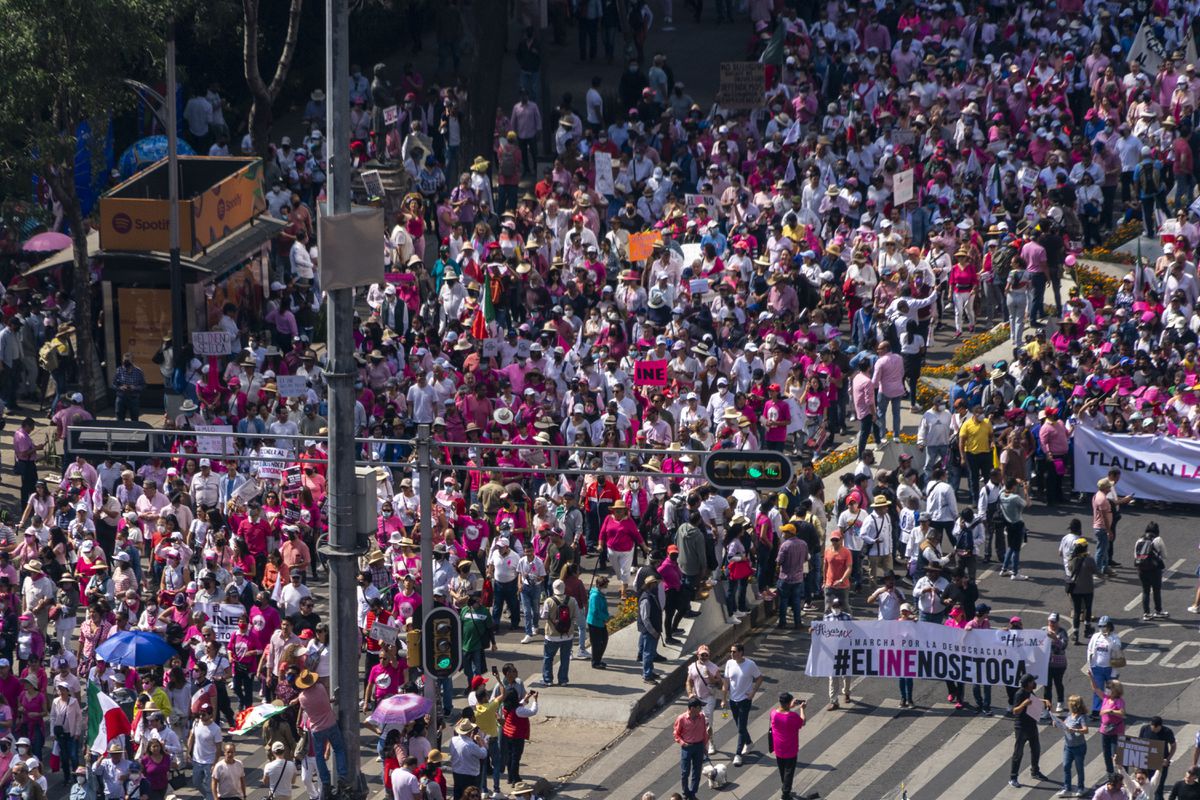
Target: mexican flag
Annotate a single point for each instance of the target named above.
(106, 720)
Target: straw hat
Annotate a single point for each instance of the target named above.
(306, 679)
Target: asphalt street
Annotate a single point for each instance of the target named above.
(873, 750)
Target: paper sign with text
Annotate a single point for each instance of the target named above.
(650, 373)
(1135, 753)
(604, 173)
(291, 385)
(214, 445)
(902, 187)
(212, 343)
(223, 618)
(641, 245)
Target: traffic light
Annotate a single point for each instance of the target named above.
(747, 469)
(441, 643)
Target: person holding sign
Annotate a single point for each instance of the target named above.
(1027, 706)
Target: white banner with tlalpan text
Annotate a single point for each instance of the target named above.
(1152, 467)
(927, 651)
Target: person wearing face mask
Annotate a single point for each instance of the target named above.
(129, 382)
(83, 785)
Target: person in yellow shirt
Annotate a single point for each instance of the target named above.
(975, 437)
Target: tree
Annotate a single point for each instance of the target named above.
(263, 94)
(61, 64)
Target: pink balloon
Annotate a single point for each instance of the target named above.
(1070, 260)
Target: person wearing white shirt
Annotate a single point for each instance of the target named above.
(422, 400)
(941, 504)
(933, 436)
(291, 595)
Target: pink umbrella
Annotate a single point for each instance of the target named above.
(400, 709)
(47, 242)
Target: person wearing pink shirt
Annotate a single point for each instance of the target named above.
(862, 393)
(887, 376)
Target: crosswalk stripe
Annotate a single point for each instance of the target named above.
(912, 732)
(1137, 599)
(973, 730)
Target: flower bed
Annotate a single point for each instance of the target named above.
(626, 614)
(969, 350)
(1125, 232)
(1093, 282)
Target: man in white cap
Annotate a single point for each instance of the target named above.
(559, 612)
(206, 485)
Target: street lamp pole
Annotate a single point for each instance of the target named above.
(343, 535)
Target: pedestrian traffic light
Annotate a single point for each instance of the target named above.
(441, 643)
(747, 469)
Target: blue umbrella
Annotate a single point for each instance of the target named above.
(145, 152)
(135, 649)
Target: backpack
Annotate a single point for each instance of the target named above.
(1145, 557)
(562, 617)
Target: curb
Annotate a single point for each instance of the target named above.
(672, 680)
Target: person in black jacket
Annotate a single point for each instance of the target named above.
(649, 625)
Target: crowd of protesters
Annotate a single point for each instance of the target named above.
(792, 300)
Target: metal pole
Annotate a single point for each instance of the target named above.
(343, 536)
(178, 318)
(425, 476)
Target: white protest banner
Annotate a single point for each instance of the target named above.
(291, 385)
(209, 444)
(699, 287)
(902, 187)
(1150, 51)
(491, 348)
(391, 115)
(1152, 467)
(523, 348)
(604, 174)
(926, 651)
(222, 618)
(212, 343)
(273, 463)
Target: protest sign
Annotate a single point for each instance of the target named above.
(491, 348)
(209, 443)
(691, 202)
(523, 348)
(699, 287)
(212, 343)
(271, 467)
(604, 173)
(247, 491)
(1134, 753)
(902, 137)
(391, 115)
(383, 633)
(373, 184)
(641, 245)
(1150, 51)
(741, 85)
(292, 480)
(692, 251)
(1162, 468)
(222, 618)
(650, 373)
(925, 651)
(902, 187)
(291, 385)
